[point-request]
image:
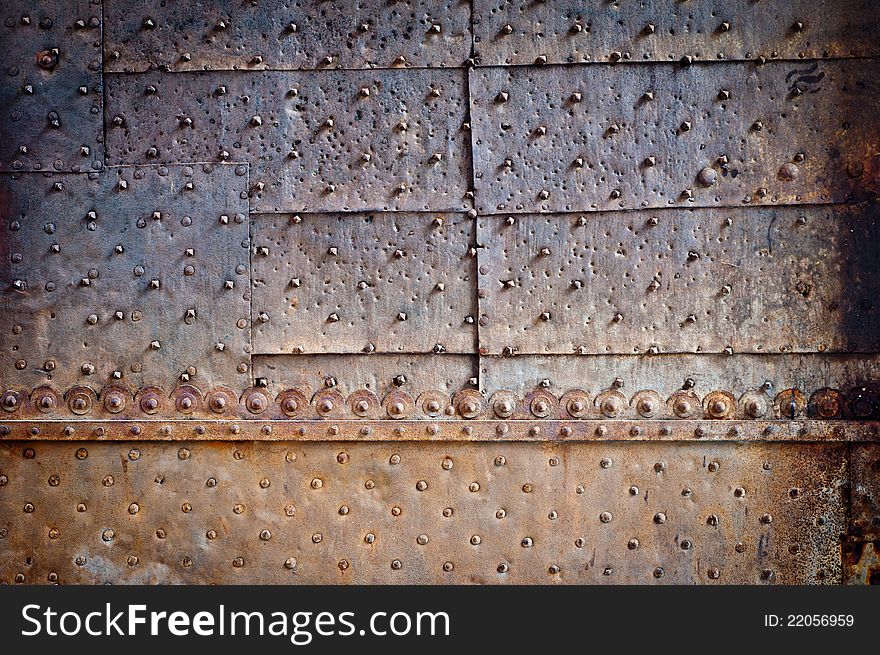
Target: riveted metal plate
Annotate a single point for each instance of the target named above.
(121, 277)
(784, 279)
(364, 283)
(865, 492)
(577, 138)
(382, 374)
(284, 34)
(51, 95)
(744, 376)
(421, 513)
(528, 32)
(316, 141)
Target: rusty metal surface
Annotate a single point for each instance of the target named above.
(285, 34)
(363, 283)
(865, 492)
(121, 278)
(579, 138)
(347, 301)
(786, 279)
(421, 513)
(435, 374)
(51, 92)
(316, 141)
(565, 31)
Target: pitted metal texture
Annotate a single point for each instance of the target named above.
(356, 283)
(286, 34)
(785, 279)
(290, 512)
(134, 276)
(588, 137)
(317, 141)
(564, 31)
(52, 91)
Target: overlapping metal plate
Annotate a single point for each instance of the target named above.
(578, 138)
(284, 34)
(134, 276)
(353, 283)
(291, 513)
(316, 141)
(51, 92)
(786, 279)
(408, 377)
(566, 31)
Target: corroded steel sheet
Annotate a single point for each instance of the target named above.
(284, 34)
(316, 141)
(828, 386)
(414, 374)
(363, 283)
(51, 92)
(421, 513)
(783, 279)
(133, 276)
(578, 138)
(865, 492)
(569, 31)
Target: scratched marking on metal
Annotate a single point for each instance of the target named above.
(316, 141)
(51, 94)
(577, 138)
(285, 34)
(132, 276)
(865, 492)
(360, 283)
(566, 31)
(412, 374)
(421, 513)
(673, 281)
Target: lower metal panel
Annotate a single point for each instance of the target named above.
(288, 512)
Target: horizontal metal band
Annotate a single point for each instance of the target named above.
(287, 513)
(258, 403)
(805, 431)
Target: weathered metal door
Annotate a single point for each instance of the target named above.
(433, 291)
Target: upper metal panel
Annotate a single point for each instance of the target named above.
(137, 275)
(51, 95)
(285, 34)
(364, 283)
(569, 31)
(316, 141)
(784, 279)
(577, 138)
(333, 513)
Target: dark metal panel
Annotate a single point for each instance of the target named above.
(364, 283)
(578, 138)
(421, 513)
(316, 141)
(784, 279)
(285, 34)
(416, 375)
(51, 93)
(133, 276)
(566, 31)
